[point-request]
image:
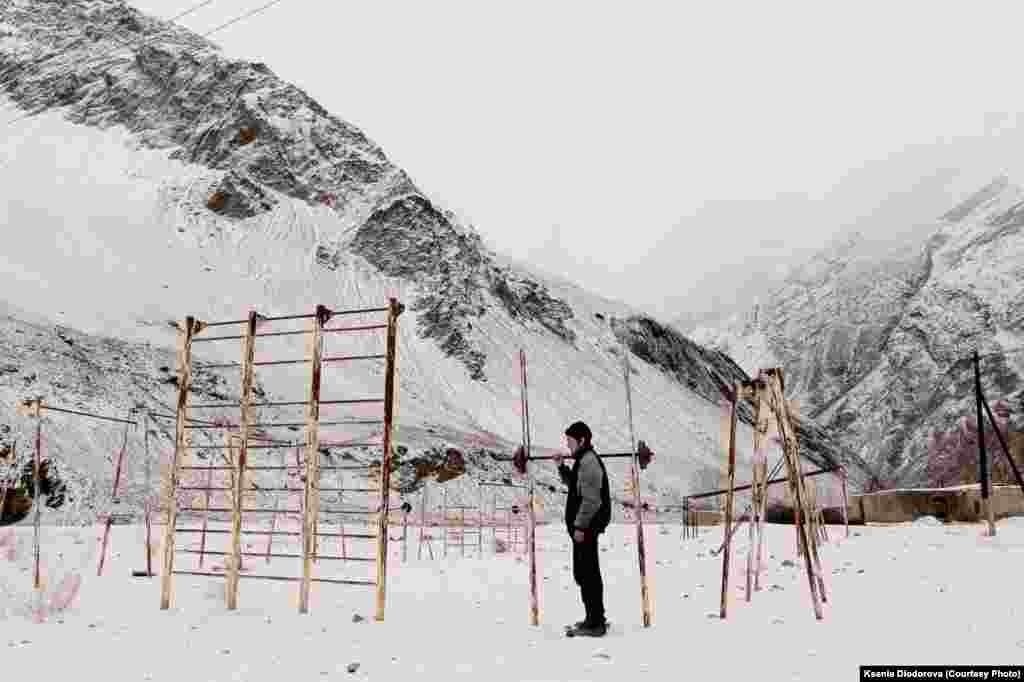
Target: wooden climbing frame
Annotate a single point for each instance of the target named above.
(247, 439)
(765, 395)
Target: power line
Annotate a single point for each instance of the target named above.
(145, 41)
(189, 53)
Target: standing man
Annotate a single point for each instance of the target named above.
(588, 512)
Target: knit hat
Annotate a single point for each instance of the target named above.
(579, 431)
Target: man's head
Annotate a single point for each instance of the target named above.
(577, 437)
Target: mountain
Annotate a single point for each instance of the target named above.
(148, 178)
(876, 337)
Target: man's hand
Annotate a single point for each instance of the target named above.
(579, 535)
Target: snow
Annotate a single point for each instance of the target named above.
(896, 595)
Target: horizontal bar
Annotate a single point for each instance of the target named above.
(344, 358)
(332, 581)
(289, 403)
(348, 444)
(358, 311)
(455, 506)
(329, 557)
(242, 336)
(227, 510)
(236, 447)
(87, 414)
(502, 485)
(748, 486)
(296, 534)
(344, 422)
(326, 330)
(507, 458)
(267, 363)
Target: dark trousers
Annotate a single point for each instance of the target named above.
(586, 570)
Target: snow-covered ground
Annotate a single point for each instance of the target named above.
(903, 594)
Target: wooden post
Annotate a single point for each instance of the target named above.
(531, 535)
(846, 501)
(390, 390)
(444, 511)
(114, 501)
(983, 473)
(148, 505)
(191, 327)
(405, 536)
(778, 406)
(239, 463)
(480, 525)
(311, 496)
(645, 604)
(729, 501)
(341, 516)
(36, 473)
(423, 521)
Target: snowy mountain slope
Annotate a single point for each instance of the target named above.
(154, 183)
(876, 344)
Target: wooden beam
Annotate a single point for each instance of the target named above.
(390, 390)
(114, 500)
(777, 404)
(638, 513)
(190, 328)
(729, 502)
(311, 498)
(244, 433)
(36, 473)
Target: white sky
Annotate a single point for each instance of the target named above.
(661, 153)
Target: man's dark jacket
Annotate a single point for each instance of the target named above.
(589, 506)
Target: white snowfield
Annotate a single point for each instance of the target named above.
(906, 594)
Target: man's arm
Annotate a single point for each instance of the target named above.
(588, 482)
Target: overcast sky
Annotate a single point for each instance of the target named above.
(661, 153)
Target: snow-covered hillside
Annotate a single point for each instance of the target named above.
(156, 179)
(877, 338)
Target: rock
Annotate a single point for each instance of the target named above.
(778, 621)
(788, 563)
(356, 618)
(352, 667)
(860, 570)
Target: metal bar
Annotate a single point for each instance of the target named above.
(332, 581)
(221, 510)
(241, 336)
(181, 550)
(288, 403)
(358, 311)
(251, 447)
(88, 414)
(352, 402)
(266, 363)
(330, 444)
(748, 486)
(355, 329)
(345, 358)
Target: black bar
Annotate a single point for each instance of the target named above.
(748, 486)
(355, 329)
(87, 414)
(1006, 450)
(278, 577)
(982, 455)
(343, 358)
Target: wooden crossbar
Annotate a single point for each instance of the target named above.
(333, 581)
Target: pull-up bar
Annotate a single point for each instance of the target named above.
(333, 313)
(519, 459)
